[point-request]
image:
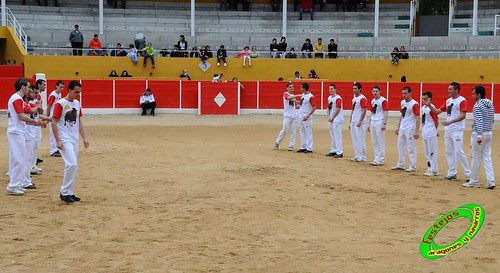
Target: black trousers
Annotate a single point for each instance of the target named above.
(76, 51)
(149, 105)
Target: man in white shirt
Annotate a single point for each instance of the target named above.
(377, 125)
(307, 108)
(357, 123)
(289, 117)
(335, 116)
(430, 123)
(147, 101)
(408, 131)
(54, 96)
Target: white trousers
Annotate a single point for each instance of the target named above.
(245, 60)
(70, 156)
(431, 153)
(406, 141)
(306, 134)
(454, 147)
(481, 152)
(18, 166)
(32, 147)
(289, 124)
(52, 140)
(358, 137)
(39, 140)
(336, 137)
(378, 140)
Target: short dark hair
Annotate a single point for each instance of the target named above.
(428, 94)
(305, 85)
(407, 88)
(34, 87)
(119, 44)
(358, 85)
(95, 35)
(39, 81)
(455, 85)
(376, 87)
(334, 85)
(20, 83)
(289, 84)
(308, 40)
(77, 26)
(480, 90)
(73, 84)
(59, 82)
(148, 89)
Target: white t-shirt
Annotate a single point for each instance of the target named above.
(68, 113)
(453, 108)
(409, 110)
(288, 107)
(379, 106)
(51, 101)
(32, 130)
(306, 104)
(335, 103)
(15, 106)
(358, 103)
(428, 126)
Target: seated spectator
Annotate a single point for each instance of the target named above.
(104, 52)
(313, 75)
(133, 53)
(140, 41)
(297, 76)
(306, 5)
(282, 47)
(147, 101)
(307, 48)
(395, 55)
(217, 77)
(319, 49)
(221, 55)
(194, 52)
(273, 48)
(185, 75)
(204, 54)
(95, 46)
(332, 49)
(164, 52)
(113, 74)
(209, 53)
(241, 85)
(125, 74)
(176, 53)
(183, 46)
(118, 51)
(291, 54)
(403, 54)
(245, 54)
(149, 53)
(255, 53)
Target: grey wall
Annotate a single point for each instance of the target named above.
(433, 25)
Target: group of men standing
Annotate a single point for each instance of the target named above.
(407, 130)
(24, 133)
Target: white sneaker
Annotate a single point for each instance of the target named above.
(491, 186)
(361, 160)
(15, 192)
(410, 170)
(36, 171)
(431, 173)
(471, 185)
(374, 163)
(354, 159)
(225, 64)
(218, 64)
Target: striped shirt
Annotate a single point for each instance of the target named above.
(484, 114)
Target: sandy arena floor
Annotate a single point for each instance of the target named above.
(187, 193)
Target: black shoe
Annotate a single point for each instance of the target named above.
(338, 156)
(331, 154)
(152, 113)
(77, 199)
(30, 187)
(38, 160)
(66, 198)
(56, 154)
(308, 151)
(143, 114)
(301, 151)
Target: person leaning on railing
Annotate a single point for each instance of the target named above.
(76, 40)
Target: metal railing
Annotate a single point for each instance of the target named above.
(18, 30)
(497, 26)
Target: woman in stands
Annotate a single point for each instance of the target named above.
(282, 47)
(273, 48)
(183, 45)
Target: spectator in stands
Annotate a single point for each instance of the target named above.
(95, 46)
(313, 75)
(203, 54)
(273, 48)
(147, 101)
(140, 41)
(275, 5)
(307, 49)
(241, 85)
(306, 5)
(291, 54)
(183, 46)
(194, 52)
(221, 55)
(118, 51)
(40, 3)
(403, 54)
(208, 51)
(176, 53)
(395, 55)
(245, 54)
(104, 52)
(133, 53)
(76, 40)
(332, 49)
(223, 5)
(185, 75)
(297, 76)
(319, 49)
(363, 4)
(282, 47)
(149, 53)
(255, 53)
(217, 77)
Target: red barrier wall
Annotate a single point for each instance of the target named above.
(11, 71)
(208, 93)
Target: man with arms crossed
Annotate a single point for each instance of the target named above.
(357, 123)
(430, 123)
(407, 131)
(336, 119)
(54, 96)
(307, 108)
(289, 117)
(454, 126)
(484, 115)
(67, 126)
(377, 125)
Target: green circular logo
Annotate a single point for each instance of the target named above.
(473, 212)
